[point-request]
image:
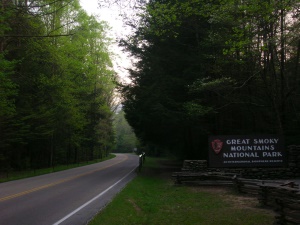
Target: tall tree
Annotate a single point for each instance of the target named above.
(209, 67)
(126, 140)
(57, 84)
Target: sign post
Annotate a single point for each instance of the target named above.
(246, 151)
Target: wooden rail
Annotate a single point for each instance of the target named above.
(283, 198)
(288, 211)
(203, 178)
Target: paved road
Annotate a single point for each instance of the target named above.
(70, 197)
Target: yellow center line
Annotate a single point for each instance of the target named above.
(56, 183)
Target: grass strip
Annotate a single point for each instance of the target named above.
(31, 173)
(151, 199)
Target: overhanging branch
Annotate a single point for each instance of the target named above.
(35, 36)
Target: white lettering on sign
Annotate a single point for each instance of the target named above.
(272, 154)
(248, 151)
(252, 148)
(240, 154)
(237, 141)
(266, 141)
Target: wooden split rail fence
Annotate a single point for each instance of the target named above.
(196, 171)
(203, 178)
(282, 197)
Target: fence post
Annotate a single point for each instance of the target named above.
(140, 163)
(142, 159)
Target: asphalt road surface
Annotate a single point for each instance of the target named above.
(70, 197)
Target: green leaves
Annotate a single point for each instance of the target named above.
(8, 90)
(213, 85)
(56, 85)
(197, 110)
(219, 67)
(126, 140)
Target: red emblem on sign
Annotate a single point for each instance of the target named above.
(217, 145)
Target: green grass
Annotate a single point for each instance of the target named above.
(152, 200)
(31, 173)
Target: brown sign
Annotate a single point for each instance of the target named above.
(246, 151)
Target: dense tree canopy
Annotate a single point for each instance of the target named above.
(213, 67)
(56, 85)
(126, 140)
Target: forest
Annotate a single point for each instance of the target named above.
(201, 67)
(213, 67)
(125, 140)
(56, 85)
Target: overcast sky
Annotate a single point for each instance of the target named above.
(110, 15)
(121, 61)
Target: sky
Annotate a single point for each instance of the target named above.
(109, 15)
(120, 60)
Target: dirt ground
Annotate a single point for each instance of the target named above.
(235, 199)
(228, 194)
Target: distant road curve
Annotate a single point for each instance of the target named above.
(70, 197)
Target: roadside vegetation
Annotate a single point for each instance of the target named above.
(56, 85)
(126, 141)
(152, 198)
(15, 175)
(213, 68)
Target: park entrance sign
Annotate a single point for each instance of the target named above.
(246, 151)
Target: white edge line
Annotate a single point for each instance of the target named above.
(93, 199)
